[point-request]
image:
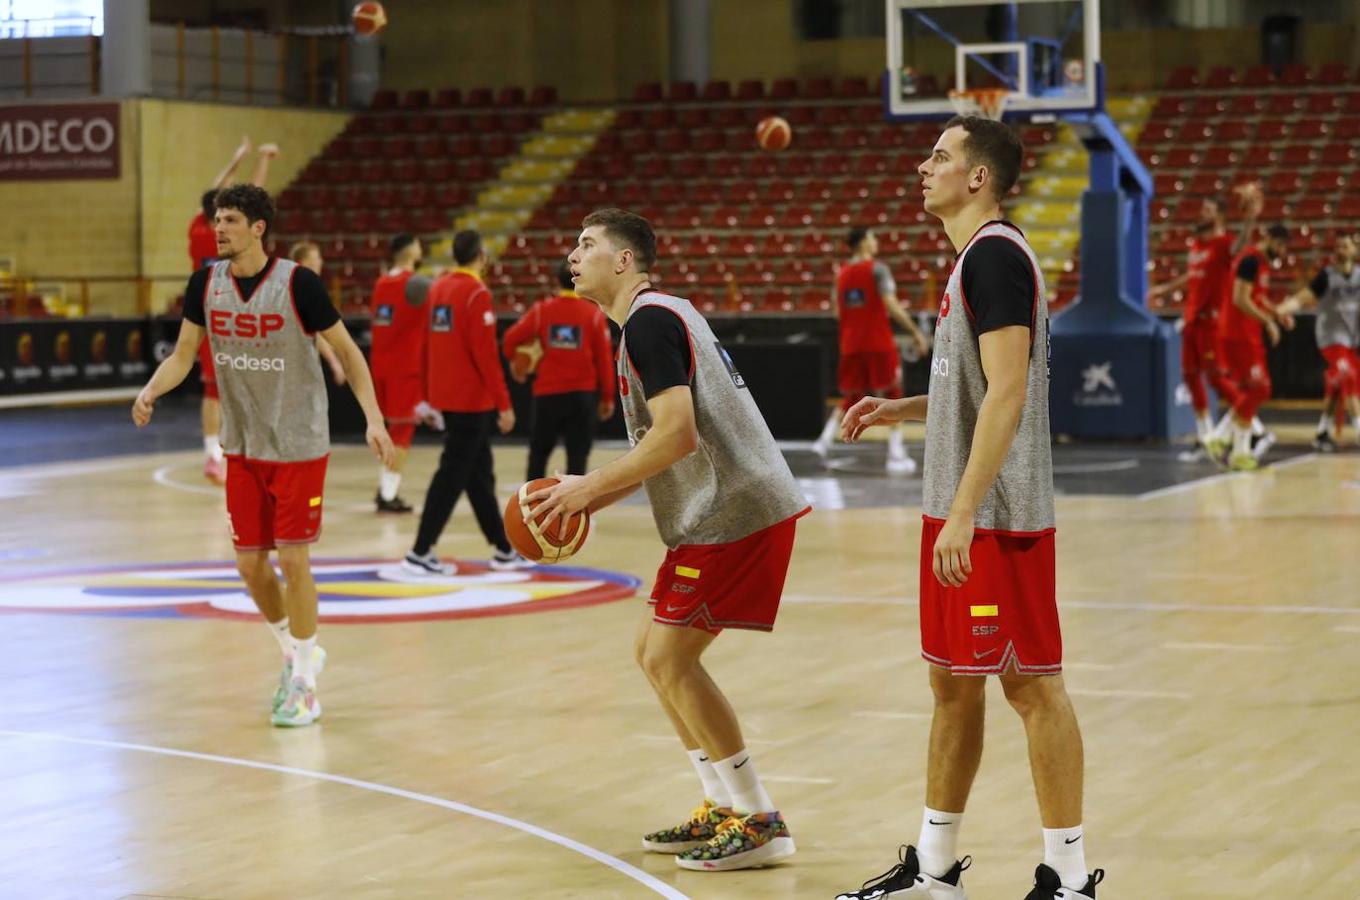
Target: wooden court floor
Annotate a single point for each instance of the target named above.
(1211, 642)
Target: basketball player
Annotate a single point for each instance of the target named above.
(465, 382)
(1245, 309)
(260, 314)
(988, 604)
(574, 382)
(202, 252)
(308, 255)
(866, 297)
(1209, 268)
(725, 505)
(1335, 293)
(398, 358)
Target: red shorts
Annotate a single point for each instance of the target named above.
(1245, 362)
(398, 397)
(717, 586)
(1343, 369)
(272, 503)
(874, 372)
(206, 372)
(1005, 617)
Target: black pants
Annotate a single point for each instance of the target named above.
(570, 415)
(465, 464)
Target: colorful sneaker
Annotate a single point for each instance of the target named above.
(1243, 462)
(215, 470)
(299, 708)
(741, 843)
(701, 828)
(1047, 886)
(907, 880)
(286, 676)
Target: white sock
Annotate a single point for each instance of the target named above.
(1224, 426)
(1065, 853)
(829, 429)
(388, 482)
(897, 448)
(714, 789)
(1325, 423)
(938, 847)
(1241, 441)
(1204, 426)
(212, 447)
(738, 774)
(304, 651)
(1257, 427)
(280, 631)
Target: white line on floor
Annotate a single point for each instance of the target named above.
(599, 856)
(162, 477)
(1190, 485)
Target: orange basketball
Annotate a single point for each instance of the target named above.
(773, 133)
(547, 545)
(368, 18)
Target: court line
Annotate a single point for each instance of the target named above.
(162, 477)
(1222, 476)
(618, 865)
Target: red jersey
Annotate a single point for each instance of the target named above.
(399, 328)
(860, 287)
(577, 355)
(202, 241)
(1210, 266)
(463, 373)
(1233, 324)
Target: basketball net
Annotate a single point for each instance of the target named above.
(989, 102)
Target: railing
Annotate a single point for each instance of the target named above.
(24, 296)
(52, 26)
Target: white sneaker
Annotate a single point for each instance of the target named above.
(428, 564)
(509, 562)
(1261, 445)
(906, 880)
(821, 449)
(901, 465)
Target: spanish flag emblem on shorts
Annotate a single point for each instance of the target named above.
(686, 572)
(315, 501)
(983, 612)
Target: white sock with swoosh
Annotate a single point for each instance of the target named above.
(1065, 853)
(714, 789)
(938, 847)
(738, 774)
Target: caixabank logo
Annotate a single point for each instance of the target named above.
(348, 590)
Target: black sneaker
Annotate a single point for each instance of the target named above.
(395, 505)
(1047, 886)
(428, 564)
(1323, 442)
(906, 880)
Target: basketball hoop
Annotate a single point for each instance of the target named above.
(989, 102)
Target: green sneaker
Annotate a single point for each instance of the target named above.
(701, 828)
(742, 843)
(299, 708)
(286, 677)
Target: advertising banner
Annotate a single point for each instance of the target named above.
(59, 141)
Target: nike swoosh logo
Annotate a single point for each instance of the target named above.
(933, 822)
(977, 655)
(742, 763)
(1073, 840)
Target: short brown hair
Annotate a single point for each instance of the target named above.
(300, 251)
(628, 229)
(992, 144)
(250, 201)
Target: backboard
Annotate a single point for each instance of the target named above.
(1046, 53)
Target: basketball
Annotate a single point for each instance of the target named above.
(533, 542)
(773, 133)
(368, 18)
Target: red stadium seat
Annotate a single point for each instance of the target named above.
(1183, 78)
(1283, 182)
(479, 97)
(1205, 184)
(1258, 76)
(1349, 207)
(819, 88)
(1192, 132)
(1312, 209)
(1347, 128)
(543, 95)
(784, 88)
(1169, 108)
(1308, 130)
(417, 98)
(648, 92)
(1245, 105)
(682, 91)
(854, 88)
(1322, 103)
(1327, 182)
(1221, 77)
(1271, 130)
(1258, 156)
(1231, 130)
(510, 96)
(751, 89)
(1295, 75)
(717, 91)
(1298, 155)
(1337, 154)
(1208, 107)
(1219, 158)
(383, 99)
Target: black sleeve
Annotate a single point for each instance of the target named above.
(313, 304)
(1248, 268)
(1319, 284)
(194, 293)
(998, 284)
(658, 348)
